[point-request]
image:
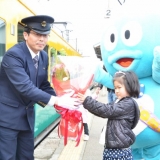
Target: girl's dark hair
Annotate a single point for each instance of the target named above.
(130, 81)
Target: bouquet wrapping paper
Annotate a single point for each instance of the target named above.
(72, 74)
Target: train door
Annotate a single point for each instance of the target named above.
(2, 39)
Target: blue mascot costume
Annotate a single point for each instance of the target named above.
(132, 42)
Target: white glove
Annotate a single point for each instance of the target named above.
(68, 102)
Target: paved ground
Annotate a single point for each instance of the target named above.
(52, 148)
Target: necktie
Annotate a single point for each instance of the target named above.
(35, 61)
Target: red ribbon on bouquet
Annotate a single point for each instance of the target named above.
(73, 117)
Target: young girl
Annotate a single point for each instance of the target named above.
(123, 116)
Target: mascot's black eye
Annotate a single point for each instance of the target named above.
(131, 33)
(127, 34)
(112, 37)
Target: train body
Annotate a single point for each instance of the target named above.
(11, 31)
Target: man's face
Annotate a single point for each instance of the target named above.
(35, 41)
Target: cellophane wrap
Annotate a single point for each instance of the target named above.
(72, 73)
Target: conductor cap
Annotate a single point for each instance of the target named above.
(40, 23)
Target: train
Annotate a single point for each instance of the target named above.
(11, 31)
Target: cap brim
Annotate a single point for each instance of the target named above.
(40, 32)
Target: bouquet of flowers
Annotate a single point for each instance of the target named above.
(72, 73)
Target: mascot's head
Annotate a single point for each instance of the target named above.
(129, 41)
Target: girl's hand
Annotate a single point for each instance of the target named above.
(97, 90)
(81, 97)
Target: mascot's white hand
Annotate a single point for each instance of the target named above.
(157, 54)
(156, 65)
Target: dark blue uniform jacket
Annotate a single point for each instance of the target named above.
(21, 87)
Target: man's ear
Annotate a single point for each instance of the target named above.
(25, 35)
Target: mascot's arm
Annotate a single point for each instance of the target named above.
(156, 65)
(103, 77)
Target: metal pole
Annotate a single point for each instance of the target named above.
(76, 44)
(67, 35)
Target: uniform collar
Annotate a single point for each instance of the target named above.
(32, 53)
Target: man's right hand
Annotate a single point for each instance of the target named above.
(66, 101)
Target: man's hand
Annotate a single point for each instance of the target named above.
(66, 101)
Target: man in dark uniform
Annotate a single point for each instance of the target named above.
(23, 82)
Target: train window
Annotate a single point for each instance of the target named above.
(2, 39)
(62, 52)
(53, 53)
(20, 33)
(46, 48)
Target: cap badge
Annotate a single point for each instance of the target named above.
(43, 23)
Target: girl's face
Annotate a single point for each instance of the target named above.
(120, 90)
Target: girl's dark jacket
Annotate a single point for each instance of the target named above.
(122, 117)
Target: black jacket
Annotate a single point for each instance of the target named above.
(122, 117)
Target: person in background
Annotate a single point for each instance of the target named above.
(85, 114)
(111, 95)
(85, 123)
(23, 82)
(111, 92)
(99, 87)
(123, 115)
